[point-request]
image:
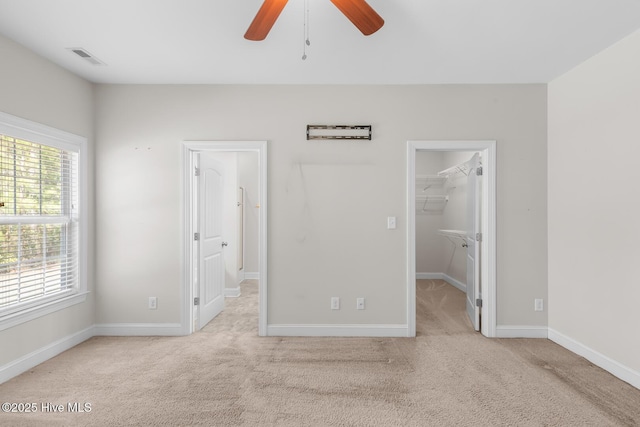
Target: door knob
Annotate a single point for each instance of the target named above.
(224, 244)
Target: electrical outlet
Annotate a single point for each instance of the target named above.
(153, 303)
(360, 303)
(335, 303)
(538, 304)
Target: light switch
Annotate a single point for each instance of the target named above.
(391, 223)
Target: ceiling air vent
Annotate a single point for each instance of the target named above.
(82, 53)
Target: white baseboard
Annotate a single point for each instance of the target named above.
(442, 276)
(251, 276)
(455, 283)
(434, 276)
(617, 369)
(139, 329)
(338, 330)
(43, 354)
(232, 292)
(521, 332)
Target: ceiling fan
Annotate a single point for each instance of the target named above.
(358, 11)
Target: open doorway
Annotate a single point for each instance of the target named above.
(436, 169)
(219, 195)
(448, 206)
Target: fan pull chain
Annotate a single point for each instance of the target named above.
(306, 30)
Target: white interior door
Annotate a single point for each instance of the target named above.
(211, 269)
(473, 243)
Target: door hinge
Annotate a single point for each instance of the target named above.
(479, 237)
(196, 236)
(479, 302)
(196, 301)
(197, 172)
(479, 171)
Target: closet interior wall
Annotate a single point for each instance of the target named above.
(437, 255)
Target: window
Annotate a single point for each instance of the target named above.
(41, 267)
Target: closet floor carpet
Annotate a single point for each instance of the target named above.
(225, 375)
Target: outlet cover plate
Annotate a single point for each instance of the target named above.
(538, 304)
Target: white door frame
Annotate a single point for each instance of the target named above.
(488, 227)
(189, 150)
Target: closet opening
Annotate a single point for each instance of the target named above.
(451, 227)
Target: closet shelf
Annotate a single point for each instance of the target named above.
(462, 168)
(431, 203)
(432, 197)
(454, 234)
(424, 182)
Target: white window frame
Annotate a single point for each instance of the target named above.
(41, 134)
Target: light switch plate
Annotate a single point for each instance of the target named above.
(391, 223)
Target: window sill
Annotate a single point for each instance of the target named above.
(20, 317)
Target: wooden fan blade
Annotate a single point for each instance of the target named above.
(361, 15)
(264, 20)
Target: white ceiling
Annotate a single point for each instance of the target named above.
(422, 41)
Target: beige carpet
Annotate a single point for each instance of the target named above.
(225, 376)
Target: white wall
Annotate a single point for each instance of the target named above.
(436, 253)
(594, 152)
(248, 178)
(328, 200)
(429, 256)
(37, 90)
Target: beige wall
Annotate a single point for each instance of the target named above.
(328, 201)
(35, 89)
(593, 203)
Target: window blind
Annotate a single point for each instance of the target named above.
(39, 227)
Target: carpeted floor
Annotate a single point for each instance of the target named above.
(226, 376)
